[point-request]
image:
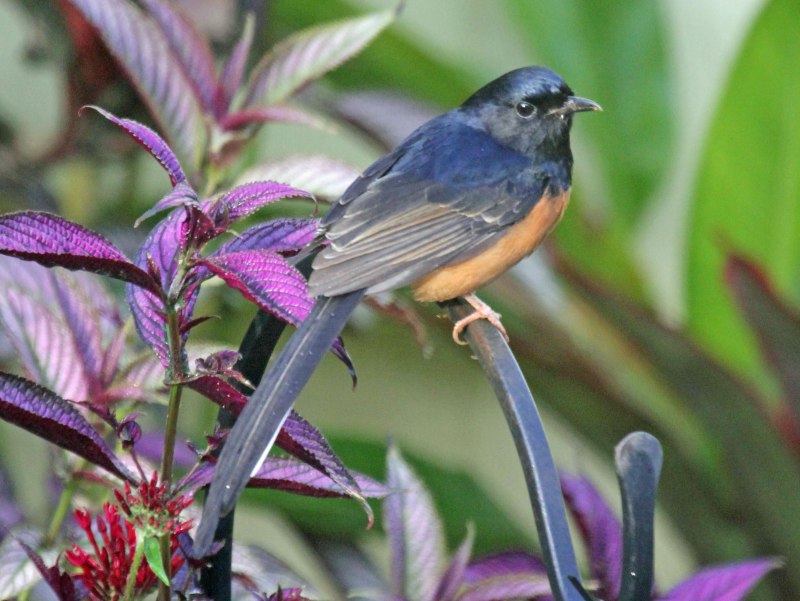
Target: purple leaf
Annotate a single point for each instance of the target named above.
(140, 381)
(49, 416)
(454, 575)
(161, 248)
(265, 278)
(139, 45)
(181, 194)
(511, 586)
(17, 572)
(190, 48)
(151, 142)
(309, 54)
(284, 235)
(281, 113)
(289, 475)
(601, 532)
(729, 582)
(53, 241)
(221, 392)
(503, 564)
(45, 347)
(60, 582)
(151, 447)
(248, 198)
(318, 175)
(415, 532)
(289, 594)
(232, 73)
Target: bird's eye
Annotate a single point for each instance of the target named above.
(525, 109)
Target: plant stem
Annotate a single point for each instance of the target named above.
(60, 512)
(138, 555)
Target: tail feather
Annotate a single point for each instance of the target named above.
(267, 408)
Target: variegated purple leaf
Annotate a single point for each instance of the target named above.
(248, 198)
(44, 345)
(453, 577)
(141, 48)
(141, 380)
(511, 586)
(190, 48)
(53, 241)
(286, 235)
(233, 72)
(54, 419)
(17, 572)
(353, 571)
(259, 571)
(181, 194)
(265, 278)
(415, 532)
(318, 175)
(309, 54)
(600, 530)
(161, 248)
(289, 475)
(83, 327)
(279, 113)
(503, 564)
(729, 582)
(303, 440)
(151, 142)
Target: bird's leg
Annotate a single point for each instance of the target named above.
(482, 311)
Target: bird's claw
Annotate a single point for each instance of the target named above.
(482, 311)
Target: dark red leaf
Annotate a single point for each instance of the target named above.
(49, 416)
(221, 392)
(60, 582)
(53, 241)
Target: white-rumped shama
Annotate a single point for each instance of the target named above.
(457, 203)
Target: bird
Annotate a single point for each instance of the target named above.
(462, 199)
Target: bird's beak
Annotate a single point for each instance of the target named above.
(576, 104)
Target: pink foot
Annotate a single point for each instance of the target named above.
(482, 311)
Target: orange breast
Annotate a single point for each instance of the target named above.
(521, 240)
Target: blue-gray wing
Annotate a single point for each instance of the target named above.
(445, 194)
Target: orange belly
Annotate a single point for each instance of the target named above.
(521, 240)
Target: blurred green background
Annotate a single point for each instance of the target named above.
(625, 321)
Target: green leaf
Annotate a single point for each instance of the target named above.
(615, 54)
(152, 553)
(309, 54)
(748, 189)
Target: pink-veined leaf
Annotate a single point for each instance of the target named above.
(290, 475)
(729, 582)
(415, 532)
(43, 342)
(151, 142)
(139, 45)
(44, 413)
(233, 71)
(600, 530)
(190, 48)
(453, 576)
(279, 113)
(265, 278)
(248, 198)
(181, 194)
(53, 241)
(285, 235)
(318, 175)
(307, 55)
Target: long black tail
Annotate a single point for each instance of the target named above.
(258, 425)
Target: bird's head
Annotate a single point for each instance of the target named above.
(528, 109)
